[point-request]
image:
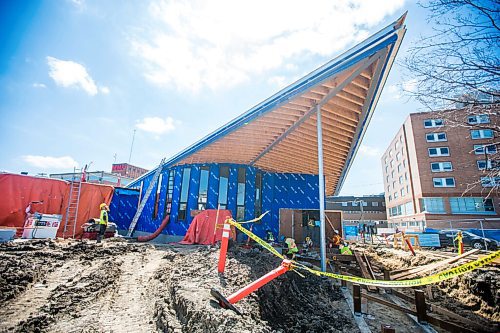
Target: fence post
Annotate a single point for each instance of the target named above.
(387, 277)
(421, 306)
(356, 296)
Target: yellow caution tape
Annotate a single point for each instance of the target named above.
(255, 219)
(435, 278)
(256, 238)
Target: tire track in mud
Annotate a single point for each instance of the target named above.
(128, 306)
(69, 299)
(33, 299)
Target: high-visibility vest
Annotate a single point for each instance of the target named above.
(104, 217)
(345, 250)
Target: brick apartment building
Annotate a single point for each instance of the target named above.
(436, 170)
(369, 208)
(127, 170)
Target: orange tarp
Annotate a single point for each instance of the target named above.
(201, 229)
(17, 191)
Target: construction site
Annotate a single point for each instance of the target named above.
(238, 232)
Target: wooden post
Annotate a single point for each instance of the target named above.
(356, 296)
(387, 329)
(420, 306)
(343, 283)
(387, 277)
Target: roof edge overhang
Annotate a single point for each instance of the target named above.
(391, 34)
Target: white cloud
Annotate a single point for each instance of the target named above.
(104, 90)
(369, 151)
(50, 162)
(39, 85)
(393, 91)
(218, 44)
(157, 125)
(71, 74)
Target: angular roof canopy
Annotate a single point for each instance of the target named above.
(279, 134)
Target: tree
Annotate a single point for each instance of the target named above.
(458, 67)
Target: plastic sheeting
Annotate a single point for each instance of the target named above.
(17, 191)
(201, 230)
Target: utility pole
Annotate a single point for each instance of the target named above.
(131, 147)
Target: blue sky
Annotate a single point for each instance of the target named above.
(78, 77)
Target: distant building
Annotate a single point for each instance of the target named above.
(96, 177)
(436, 170)
(127, 170)
(370, 208)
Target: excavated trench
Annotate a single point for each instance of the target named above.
(290, 303)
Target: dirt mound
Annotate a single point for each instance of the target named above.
(290, 303)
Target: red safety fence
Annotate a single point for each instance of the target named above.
(18, 191)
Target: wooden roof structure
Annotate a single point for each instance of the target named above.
(279, 134)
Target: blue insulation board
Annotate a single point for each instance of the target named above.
(279, 190)
(123, 206)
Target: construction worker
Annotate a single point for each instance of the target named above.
(103, 221)
(344, 249)
(269, 236)
(460, 243)
(336, 240)
(292, 248)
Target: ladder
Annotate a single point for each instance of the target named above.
(145, 198)
(71, 219)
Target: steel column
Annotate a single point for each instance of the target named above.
(322, 245)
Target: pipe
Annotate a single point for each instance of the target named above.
(156, 233)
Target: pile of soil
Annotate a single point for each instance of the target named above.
(475, 295)
(290, 303)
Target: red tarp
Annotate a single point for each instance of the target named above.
(201, 230)
(17, 191)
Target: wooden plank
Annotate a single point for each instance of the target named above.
(388, 304)
(423, 269)
(369, 266)
(364, 270)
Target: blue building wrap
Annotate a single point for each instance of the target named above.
(123, 206)
(279, 190)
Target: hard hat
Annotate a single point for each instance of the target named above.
(102, 205)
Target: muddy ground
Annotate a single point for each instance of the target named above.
(49, 286)
(475, 296)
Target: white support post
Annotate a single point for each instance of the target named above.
(322, 245)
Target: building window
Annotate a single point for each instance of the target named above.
(157, 196)
(398, 156)
(404, 163)
(466, 205)
(444, 182)
(375, 203)
(406, 175)
(223, 186)
(403, 209)
(482, 149)
(490, 181)
(387, 178)
(203, 190)
(396, 145)
(240, 198)
(393, 185)
(390, 198)
(441, 167)
(439, 151)
(436, 137)
(403, 193)
(258, 194)
(392, 163)
(388, 188)
(481, 134)
(344, 204)
(478, 119)
(430, 123)
(186, 176)
(392, 174)
(386, 169)
(169, 194)
(399, 168)
(401, 179)
(488, 165)
(390, 153)
(396, 195)
(432, 205)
